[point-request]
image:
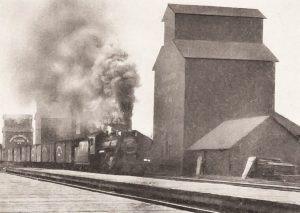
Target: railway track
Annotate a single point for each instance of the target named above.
(179, 195)
(134, 197)
(265, 185)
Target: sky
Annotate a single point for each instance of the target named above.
(139, 30)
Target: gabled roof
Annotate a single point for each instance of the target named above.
(228, 133)
(287, 124)
(224, 50)
(215, 11)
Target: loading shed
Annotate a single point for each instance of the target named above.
(225, 149)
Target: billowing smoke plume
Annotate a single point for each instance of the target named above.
(70, 60)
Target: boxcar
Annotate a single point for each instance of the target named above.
(17, 154)
(10, 156)
(23, 154)
(38, 153)
(45, 153)
(28, 153)
(4, 155)
(60, 152)
(69, 151)
(14, 154)
(52, 153)
(48, 153)
(33, 153)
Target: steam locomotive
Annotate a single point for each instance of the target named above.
(118, 152)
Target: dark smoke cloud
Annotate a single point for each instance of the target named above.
(71, 60)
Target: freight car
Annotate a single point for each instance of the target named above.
(120, 152)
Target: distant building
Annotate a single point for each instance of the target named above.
(17, 130)
(213, 73)
(54, 122)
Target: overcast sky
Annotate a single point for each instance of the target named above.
(138, 26)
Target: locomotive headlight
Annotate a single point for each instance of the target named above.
(147, 160)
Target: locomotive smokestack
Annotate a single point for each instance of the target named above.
(128, 124)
